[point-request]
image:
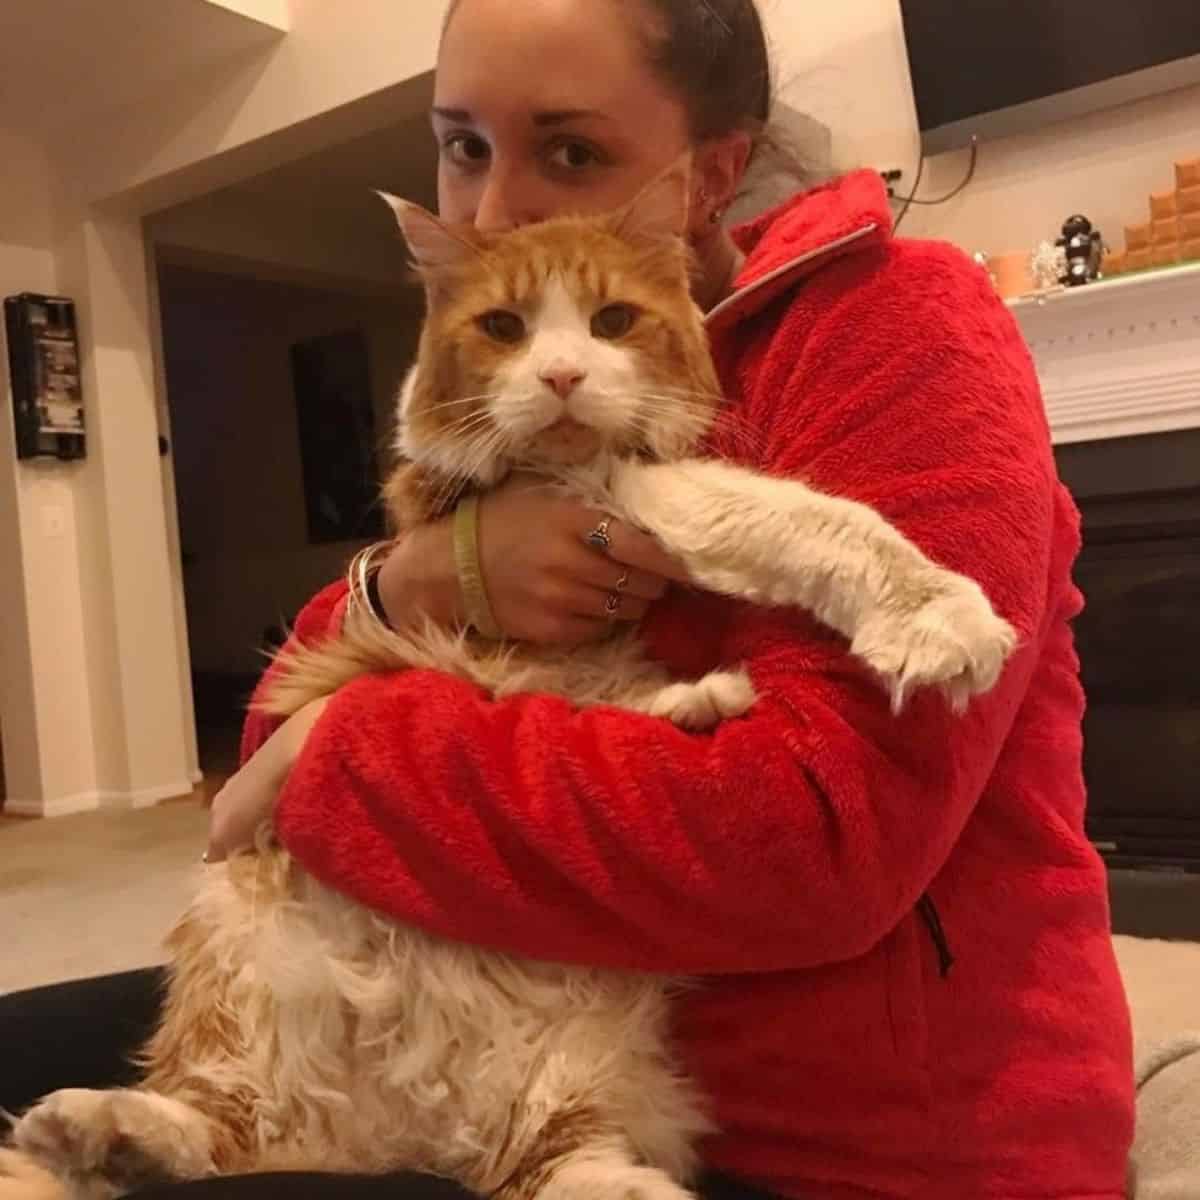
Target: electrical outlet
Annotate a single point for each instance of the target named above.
(54, 520)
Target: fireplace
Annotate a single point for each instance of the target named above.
(1139, 644)
(1119, 363)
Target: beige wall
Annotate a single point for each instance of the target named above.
(45, 699)
(94, 665)
(845, 63)
(238, 475)
(26, 264)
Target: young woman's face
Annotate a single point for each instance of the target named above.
(547, 110)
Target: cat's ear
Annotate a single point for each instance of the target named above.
(433, 243)
(660, 209)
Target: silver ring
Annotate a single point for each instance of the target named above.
(599, 537)
(204, 857)
(612, 604)
(621, 583)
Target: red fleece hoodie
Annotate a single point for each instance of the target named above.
(798, 860)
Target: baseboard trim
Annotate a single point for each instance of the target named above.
(65, 806)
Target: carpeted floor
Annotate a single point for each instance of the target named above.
(96, 892)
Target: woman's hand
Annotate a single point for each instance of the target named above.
(248, 798)
(544, 582)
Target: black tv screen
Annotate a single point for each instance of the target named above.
(996, 67)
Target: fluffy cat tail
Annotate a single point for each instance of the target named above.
(21, 1178)
(309, 672)
(364, 645)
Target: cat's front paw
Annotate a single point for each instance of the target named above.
(715, 697)
(954, 641)
(115, 1141)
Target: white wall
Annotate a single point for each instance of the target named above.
(45, 704)
(109, 718)
(846, 64)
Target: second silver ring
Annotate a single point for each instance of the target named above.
(612, 602)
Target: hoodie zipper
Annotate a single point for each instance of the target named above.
(801, 260)
(937, 933)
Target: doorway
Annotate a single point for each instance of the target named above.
(287, 318)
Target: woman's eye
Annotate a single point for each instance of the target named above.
(466, 149)
(574, 156)
(613, 321)
(502, 326)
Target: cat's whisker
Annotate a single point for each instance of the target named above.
(726, 423)
(467, 423)
(482, 397)
(452, 483)
(476, 451)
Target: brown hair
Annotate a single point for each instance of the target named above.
(713, 55)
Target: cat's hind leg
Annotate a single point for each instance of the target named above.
(104, 1144)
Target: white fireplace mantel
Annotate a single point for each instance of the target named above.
(1118, 357)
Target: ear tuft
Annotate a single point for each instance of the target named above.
(433, 243)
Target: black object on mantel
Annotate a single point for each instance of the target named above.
(1084, 248)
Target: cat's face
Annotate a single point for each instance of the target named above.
(552, 343)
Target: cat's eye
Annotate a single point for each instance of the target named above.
(502, 326)
(613, 321)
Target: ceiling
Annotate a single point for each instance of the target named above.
(337, 182)
(318, 213)
(63, 61)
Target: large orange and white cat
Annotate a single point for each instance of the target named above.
(304, 1031)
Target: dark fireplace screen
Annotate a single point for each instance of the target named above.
(1139, 644)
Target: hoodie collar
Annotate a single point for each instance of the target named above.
(791, 241)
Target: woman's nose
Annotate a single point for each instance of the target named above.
(504, 204)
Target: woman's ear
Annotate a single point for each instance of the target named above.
(718, 167)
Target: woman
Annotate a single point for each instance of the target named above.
(900, 930)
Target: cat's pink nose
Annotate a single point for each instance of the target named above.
(562, 378)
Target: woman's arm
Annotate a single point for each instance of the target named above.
(799, 834)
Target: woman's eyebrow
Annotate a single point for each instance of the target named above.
(560, 116)
(550, 116)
